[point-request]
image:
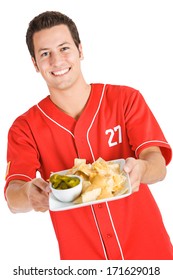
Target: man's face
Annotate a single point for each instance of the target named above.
(57, 58)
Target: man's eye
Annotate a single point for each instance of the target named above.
(64, 49)
(44, 54)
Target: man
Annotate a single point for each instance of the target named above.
(80, 120)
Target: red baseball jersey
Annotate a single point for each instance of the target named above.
(116, 123)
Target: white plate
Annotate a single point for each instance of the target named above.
(56, 205)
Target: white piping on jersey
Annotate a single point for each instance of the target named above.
(93, 122)
(55, 121)
(99, 233)
(119, 245)
(151, 141)
(19, 175)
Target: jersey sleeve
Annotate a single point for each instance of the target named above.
(22, 152)
(142, 127)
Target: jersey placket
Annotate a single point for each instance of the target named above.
(101, 211)
(85, 123)
(107, 231)
(81, 142)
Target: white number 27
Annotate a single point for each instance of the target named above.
(112, 133)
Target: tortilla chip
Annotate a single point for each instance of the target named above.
(91, 195)
(101, 179)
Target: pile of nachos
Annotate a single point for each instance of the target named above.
(101, 179)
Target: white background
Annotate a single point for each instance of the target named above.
(124, 42)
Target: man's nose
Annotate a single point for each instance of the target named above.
(56, 58)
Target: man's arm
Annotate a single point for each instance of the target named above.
(26, 196)
(148, 169)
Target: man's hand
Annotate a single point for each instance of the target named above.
(26, 196)
(148, 169)
(38, 194)
(135, 168)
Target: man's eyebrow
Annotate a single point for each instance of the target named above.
(43, 49)
(65, 43)
(60, 45)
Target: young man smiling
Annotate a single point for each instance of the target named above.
(80, 120)
(59, 63)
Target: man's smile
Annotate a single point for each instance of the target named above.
(61, 72)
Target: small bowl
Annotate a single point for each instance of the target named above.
(67, 195)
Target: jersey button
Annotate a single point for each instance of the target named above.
(109, 235)
(100, 206)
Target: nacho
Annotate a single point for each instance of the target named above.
(101, 179)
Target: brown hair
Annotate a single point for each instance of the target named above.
(47, 20)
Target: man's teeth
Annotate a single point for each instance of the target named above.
(62, 72)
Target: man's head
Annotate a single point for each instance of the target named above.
(47, 20)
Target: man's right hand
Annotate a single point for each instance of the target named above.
(26, 196)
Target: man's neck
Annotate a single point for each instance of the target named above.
(72, 101)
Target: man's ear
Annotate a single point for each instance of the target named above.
(35, 64)
(81, 52)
